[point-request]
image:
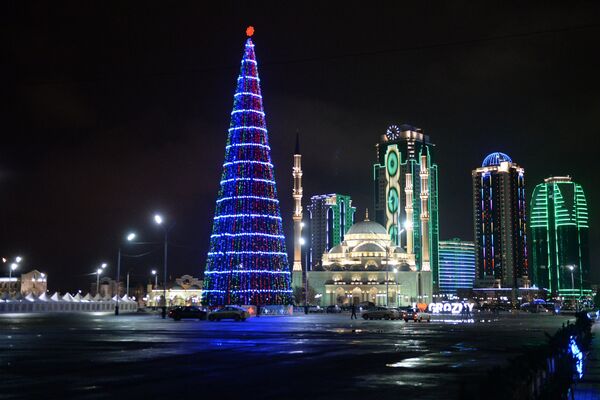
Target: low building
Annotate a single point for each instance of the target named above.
(186, 290)
(456, 265)
(367, 267)
(32, 282)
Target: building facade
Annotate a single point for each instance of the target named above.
(367, 267)
(33, 282)
(330, 216)
(500, 223)
(457, 265)
(406, 194)
(186, 290)
(559, 237)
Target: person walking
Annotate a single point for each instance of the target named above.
(353, 315)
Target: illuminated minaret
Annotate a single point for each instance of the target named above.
(297, 195)
(424, 174)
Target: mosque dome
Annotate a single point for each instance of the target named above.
(495, 159)
(337, 249)
(369, 248)
(367, 227)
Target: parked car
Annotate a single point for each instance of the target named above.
(316, 309)
(381, 313)
(334, 309)
(229, 312)
(179, 313)
(408, 313)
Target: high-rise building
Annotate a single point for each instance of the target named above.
(457, 265)
(330, 216)
(559, 237)
(406, 194)
(247, 260)
(500, 216)
(297, 216)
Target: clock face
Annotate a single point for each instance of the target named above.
(392, 200)
(392, 163)
(393, 132)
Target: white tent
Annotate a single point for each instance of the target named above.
(77, 297)
(30, 297)
(67, 297)
(97, 297)
(43, 297)
(106, 298)
(88, 297)
(55, 296)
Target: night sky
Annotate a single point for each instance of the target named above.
(118, 109)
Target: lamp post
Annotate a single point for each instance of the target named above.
(396, 281)
(130, 236)
(158, 219)
(572, 268)
(98, 272)
(155, 279)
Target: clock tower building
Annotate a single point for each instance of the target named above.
(406, 194)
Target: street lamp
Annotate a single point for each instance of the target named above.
(155, 279)
(158, 219)
(130, 236)
(396, 281)
(98, 272)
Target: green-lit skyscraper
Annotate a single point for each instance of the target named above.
(330, 216)
(406, 194)
(559, 237)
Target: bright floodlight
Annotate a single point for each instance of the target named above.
(395, 270)
(99, 271)
(158, 219)
(131, 236)
(302, 241)
(301, 224)
(4, 259)
(408, 225)
(571, 267)
(18, 259)
(14, 266)
(153, 272)
(104, 265)
(43, 275)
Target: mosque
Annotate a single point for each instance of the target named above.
(367, 267)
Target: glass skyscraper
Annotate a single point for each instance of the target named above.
(500, 223)
(559, 237)
(406, 194)
(330, 216)
(457, 265)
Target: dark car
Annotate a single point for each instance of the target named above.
(334, 309)
(179, 313)
(381, 313)
(229, 312)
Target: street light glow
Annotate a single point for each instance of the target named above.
(158, 219)
(153, 272)
(14, 266)
(18, 259)
(104, 265)
(99, 271)
(571, 267)
(131, 236)
(302, 241)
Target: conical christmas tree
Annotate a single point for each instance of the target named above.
(247, 261)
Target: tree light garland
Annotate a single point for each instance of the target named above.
(247, 259)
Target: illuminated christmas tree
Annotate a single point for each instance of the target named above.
(247, 260)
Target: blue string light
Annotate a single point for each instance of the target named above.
(247, 259)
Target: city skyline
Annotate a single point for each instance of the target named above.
(100, 145)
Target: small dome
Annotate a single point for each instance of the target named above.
(367, 227)
(399, 250)
(369, 248)
(404, 267)
(337, 249)
(494, 159)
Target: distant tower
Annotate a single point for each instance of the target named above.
(330, 218)
(500, 215)
(559, 237)
(406, 196)
(457, 265)
(297, 217)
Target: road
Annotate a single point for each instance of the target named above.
(95, 356)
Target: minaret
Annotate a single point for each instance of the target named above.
(297, 217)
(424, 174)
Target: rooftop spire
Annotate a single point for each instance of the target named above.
(297, 149)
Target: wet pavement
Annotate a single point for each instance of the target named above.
(93, 356)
